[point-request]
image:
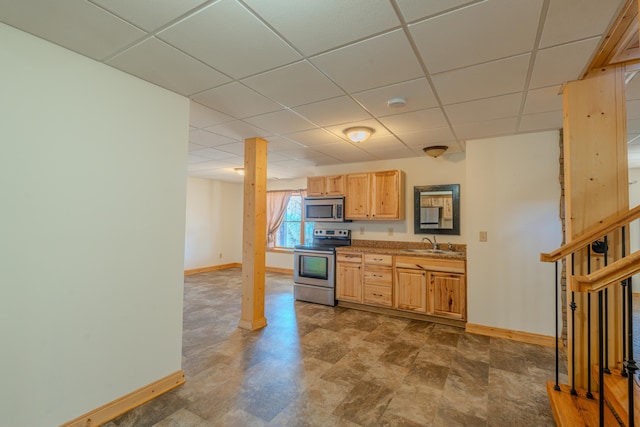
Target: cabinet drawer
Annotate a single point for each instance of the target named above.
(349, 257)
(378, 276)
(378, 259)
(379, 295)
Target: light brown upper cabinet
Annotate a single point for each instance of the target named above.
(374, 195)
(319, 186)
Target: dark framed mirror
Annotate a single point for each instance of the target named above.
(436, 209)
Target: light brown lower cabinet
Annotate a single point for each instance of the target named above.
(411, 290)
(349, 277)
(447, 295)
(378, 285)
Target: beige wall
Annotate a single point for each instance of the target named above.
(92, 181)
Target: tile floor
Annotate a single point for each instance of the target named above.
(315, 365)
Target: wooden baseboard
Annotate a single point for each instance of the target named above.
(526, 337)
(212, 268)
(280, 270)
(401, 313)
(126, 403)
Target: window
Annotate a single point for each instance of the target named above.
(293, 229)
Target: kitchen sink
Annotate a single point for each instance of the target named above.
(434, 251)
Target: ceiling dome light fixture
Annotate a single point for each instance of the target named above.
(435, 150)
(358, 133)
(239, 171)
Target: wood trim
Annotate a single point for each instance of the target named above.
(402, 313)
(279, 270)
(606, 227)
(526, 337)
(623, 29)
(612, 274)
(212, 268)
(127, 402)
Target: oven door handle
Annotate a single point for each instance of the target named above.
(311, 251)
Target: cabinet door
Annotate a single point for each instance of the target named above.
(349, 281)
(447, 295)
(357, 196)
(385, 195)
(315, 186)
(410, 290)
(334, 185)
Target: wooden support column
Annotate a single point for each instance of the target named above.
(254, 234)
(596, 188)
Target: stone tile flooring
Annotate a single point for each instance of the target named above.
(315, 365)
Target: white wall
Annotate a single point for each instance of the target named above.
(513, 194)
(92, 185)
(213, 232)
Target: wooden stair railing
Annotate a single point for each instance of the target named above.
(592, 235)
(612, 274)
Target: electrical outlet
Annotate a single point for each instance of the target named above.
(390, 231)
(361, 231)
(483, 236)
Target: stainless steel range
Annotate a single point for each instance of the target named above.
(314, 266)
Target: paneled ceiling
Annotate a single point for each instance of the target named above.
(298, 72)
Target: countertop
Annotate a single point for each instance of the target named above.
(401, 248)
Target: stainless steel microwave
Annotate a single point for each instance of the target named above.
(324, 209)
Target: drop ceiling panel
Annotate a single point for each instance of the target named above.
(332, 111)
(277, 144)
(483, 32)
(417, 94)
(506, 126)
(209, 139)
(201, 116)
(76, 25)
(375, 62)
(192, 146)
(314, 137)
(157, 62)
(482, 81)
(415, 121)
(413, 10)
(378, 129)
(236, 148)
(281, 122)
(295, 84)
(316, 26)
(633, 109)
(633, 88)
(237, 100)
(425, 138)
(211, 164)
(345, 152)
(229, 38)
(148, 14)
(239, 130)
(543, 99)
(561, 25)
(484, 109)
(563, 63)
(212, 153)
(541, 121)
(196, 159)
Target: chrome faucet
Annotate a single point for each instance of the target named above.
(433, 242)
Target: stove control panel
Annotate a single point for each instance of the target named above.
(321, 232)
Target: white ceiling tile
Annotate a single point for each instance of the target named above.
(415, 121)
(281, 122)
(212, 153)
(484, 109)
(543, 99)
(633, 109)
(295, 84)
(632, 90)
(556, 65)
(428, 137)
(482, 81)
(314, 137)
(76, 25)
(239, 130)
(302, 153)
(236, 100)
(149, 14)
(483, 32)
(452, 147)
(375, 62)
(201, 116)
(378, 129)
(506, 126)
(193, 147)
(196, 159)
(211, 164)
(332, 111)
(417, 94)
(345, 152)
(236, 148)
(633, 126)
(316, 26)
(208, 139)
(541, 121)
(229, 38)
(413, 10)
(561, 25)
(161, 64)
(278, 143)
